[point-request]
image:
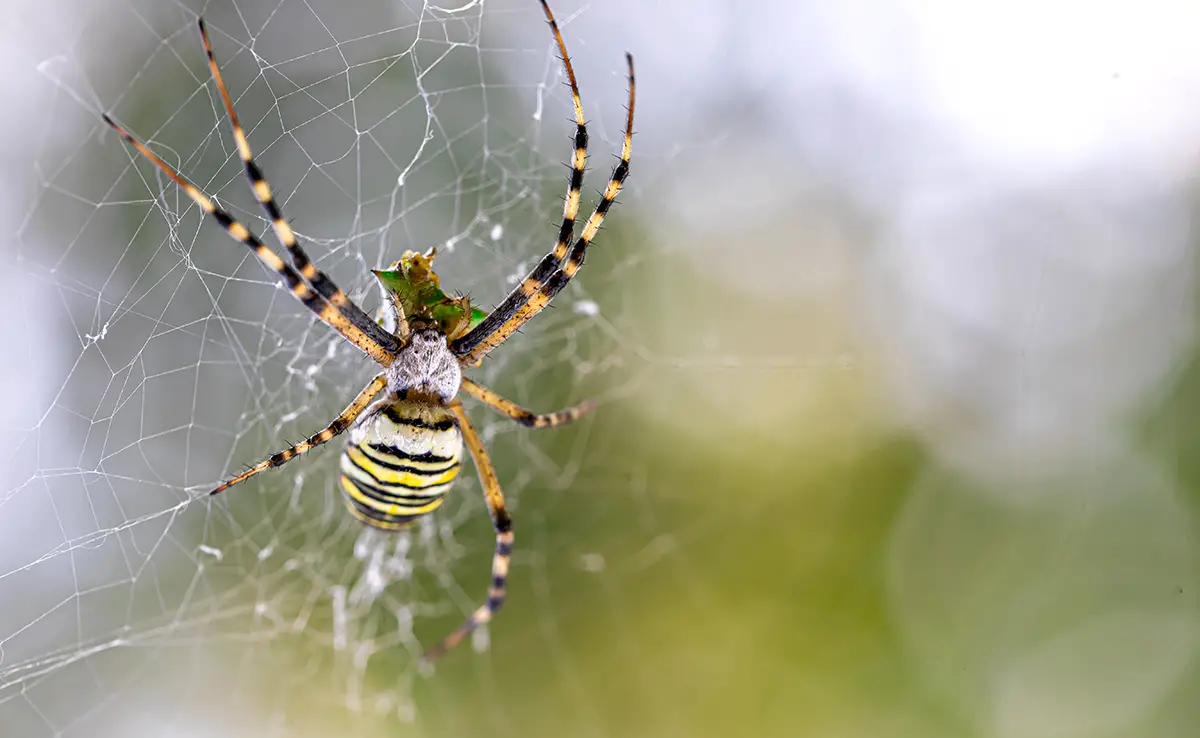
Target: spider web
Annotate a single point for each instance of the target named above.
(896, 392)
(395, 126)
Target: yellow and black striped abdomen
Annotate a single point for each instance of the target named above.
(400, 462)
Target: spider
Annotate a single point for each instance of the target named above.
(407, 427)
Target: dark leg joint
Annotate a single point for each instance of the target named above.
(565, 232)
(254, 172)
(501, 522)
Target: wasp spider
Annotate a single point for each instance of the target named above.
(407, 427)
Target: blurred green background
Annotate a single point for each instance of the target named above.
(893, 334)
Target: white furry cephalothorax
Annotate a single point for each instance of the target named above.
(425, 364)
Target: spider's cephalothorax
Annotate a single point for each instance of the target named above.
(416, 306)
(408, 427)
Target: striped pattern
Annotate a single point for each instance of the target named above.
(291, 277)
(545, 282)
(400, 462)
(520, 414)
(498, 590)
(566, 231)
(340, 423)
(283, 230)
(311, 287)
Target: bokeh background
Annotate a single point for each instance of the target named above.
(893, 332)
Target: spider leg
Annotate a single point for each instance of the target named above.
(549, 263)
(291, 277)
(504, 538)
(283, 230)
(392, 318)
(520, 414)
(472, 347)
(340, 423)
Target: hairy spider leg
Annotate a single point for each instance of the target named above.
(340, 423)
(283, 230)
(305, 294)
(549, 263)
(502, 524)
(521, 415)
(472, 351)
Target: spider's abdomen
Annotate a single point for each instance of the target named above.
(399, 463)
